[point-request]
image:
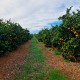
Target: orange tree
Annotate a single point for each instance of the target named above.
(45, 37)
(11, 36)
(71, 22)
(66, 36)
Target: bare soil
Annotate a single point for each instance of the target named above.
(72, 69)
(11, 64)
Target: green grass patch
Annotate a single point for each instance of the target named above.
(56, 52)
(56, 75)
(65, 60)
(36, 68)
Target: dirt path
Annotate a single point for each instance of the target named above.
(70, 68)
(11, 64)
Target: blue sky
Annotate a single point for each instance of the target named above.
(36, 14)
(49, 25)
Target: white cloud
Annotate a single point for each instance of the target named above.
(35, 14)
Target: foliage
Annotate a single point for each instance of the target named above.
(71, 49)
(66, 36)
(11, 36)
(45, 37)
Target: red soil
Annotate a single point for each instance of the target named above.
(11, 64)
(72, 69)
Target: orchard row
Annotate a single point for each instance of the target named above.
(65, 37)
(12, 35)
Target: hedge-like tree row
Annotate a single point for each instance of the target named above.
(65, 37)
(12, 35)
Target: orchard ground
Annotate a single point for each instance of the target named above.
(33, 61)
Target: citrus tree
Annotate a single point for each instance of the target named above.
(66, 36)
(12, 35)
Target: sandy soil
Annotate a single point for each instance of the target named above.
(56, 61)
(11, 64)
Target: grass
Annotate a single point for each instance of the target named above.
(36, 68)
(65, 60)
(56, 52)
(57, 75)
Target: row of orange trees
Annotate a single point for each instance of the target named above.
(12, 35)
(65, 37)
